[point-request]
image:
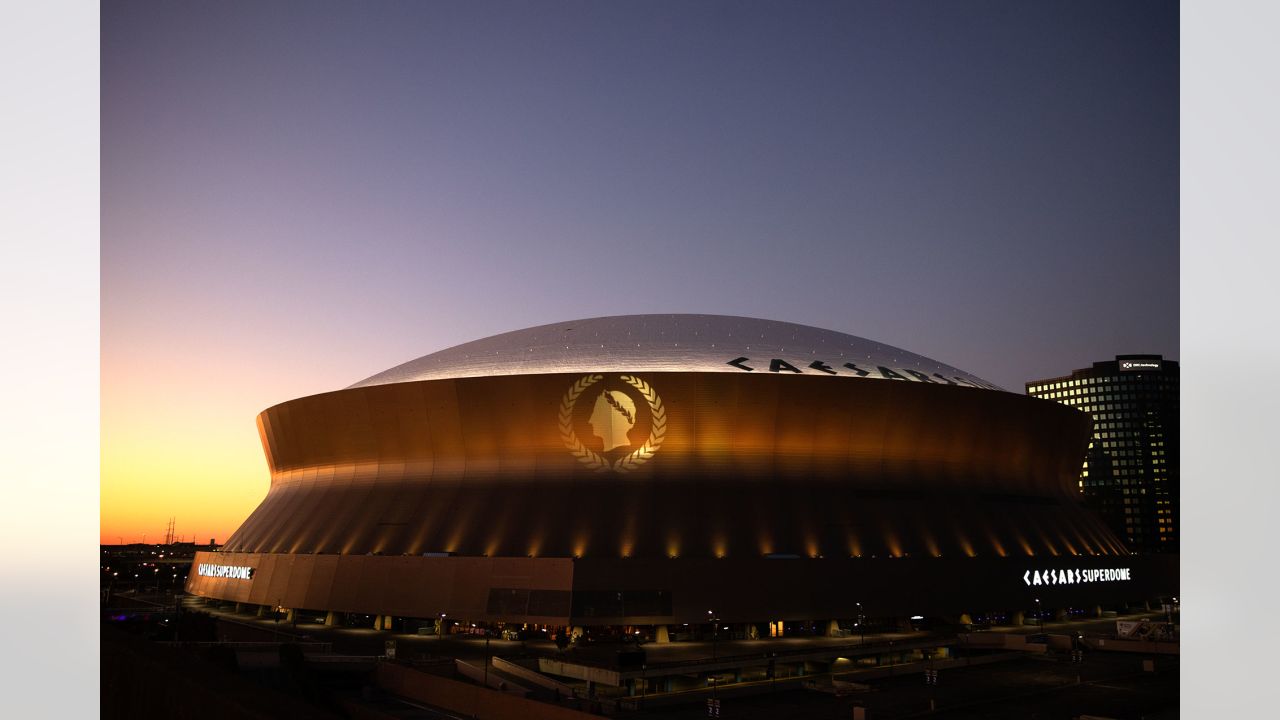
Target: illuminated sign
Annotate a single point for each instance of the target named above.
(613, 434)
(1075, 577)
(235, 572)
(853, 370)
(1138, 365)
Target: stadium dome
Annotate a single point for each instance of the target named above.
(672, 343)
(636, 470)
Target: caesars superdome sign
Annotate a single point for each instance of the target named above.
(612, 423)
(781, 365)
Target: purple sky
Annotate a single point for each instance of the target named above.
(304, 194)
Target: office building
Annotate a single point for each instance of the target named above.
(1130, 476)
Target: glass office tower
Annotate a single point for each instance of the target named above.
(1130, 474)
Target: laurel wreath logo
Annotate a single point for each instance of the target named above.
(593, 459)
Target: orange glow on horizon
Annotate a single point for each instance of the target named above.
(144, 483)
(179, 436)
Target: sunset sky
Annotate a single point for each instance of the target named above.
(296, 196)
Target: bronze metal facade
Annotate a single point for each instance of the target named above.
(773, 495)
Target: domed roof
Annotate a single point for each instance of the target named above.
(676, 343)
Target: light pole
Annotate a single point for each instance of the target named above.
(715, 625)
(1039, 617)
(644, 685)
(932, 676)
(715, 634)
(862, 628)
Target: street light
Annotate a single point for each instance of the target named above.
(715, 634)
(862, 627)
(715, 626)
(1039, 617)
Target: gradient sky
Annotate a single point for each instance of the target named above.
(296, 196)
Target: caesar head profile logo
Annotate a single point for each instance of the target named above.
(613, 424)
(612, 418)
